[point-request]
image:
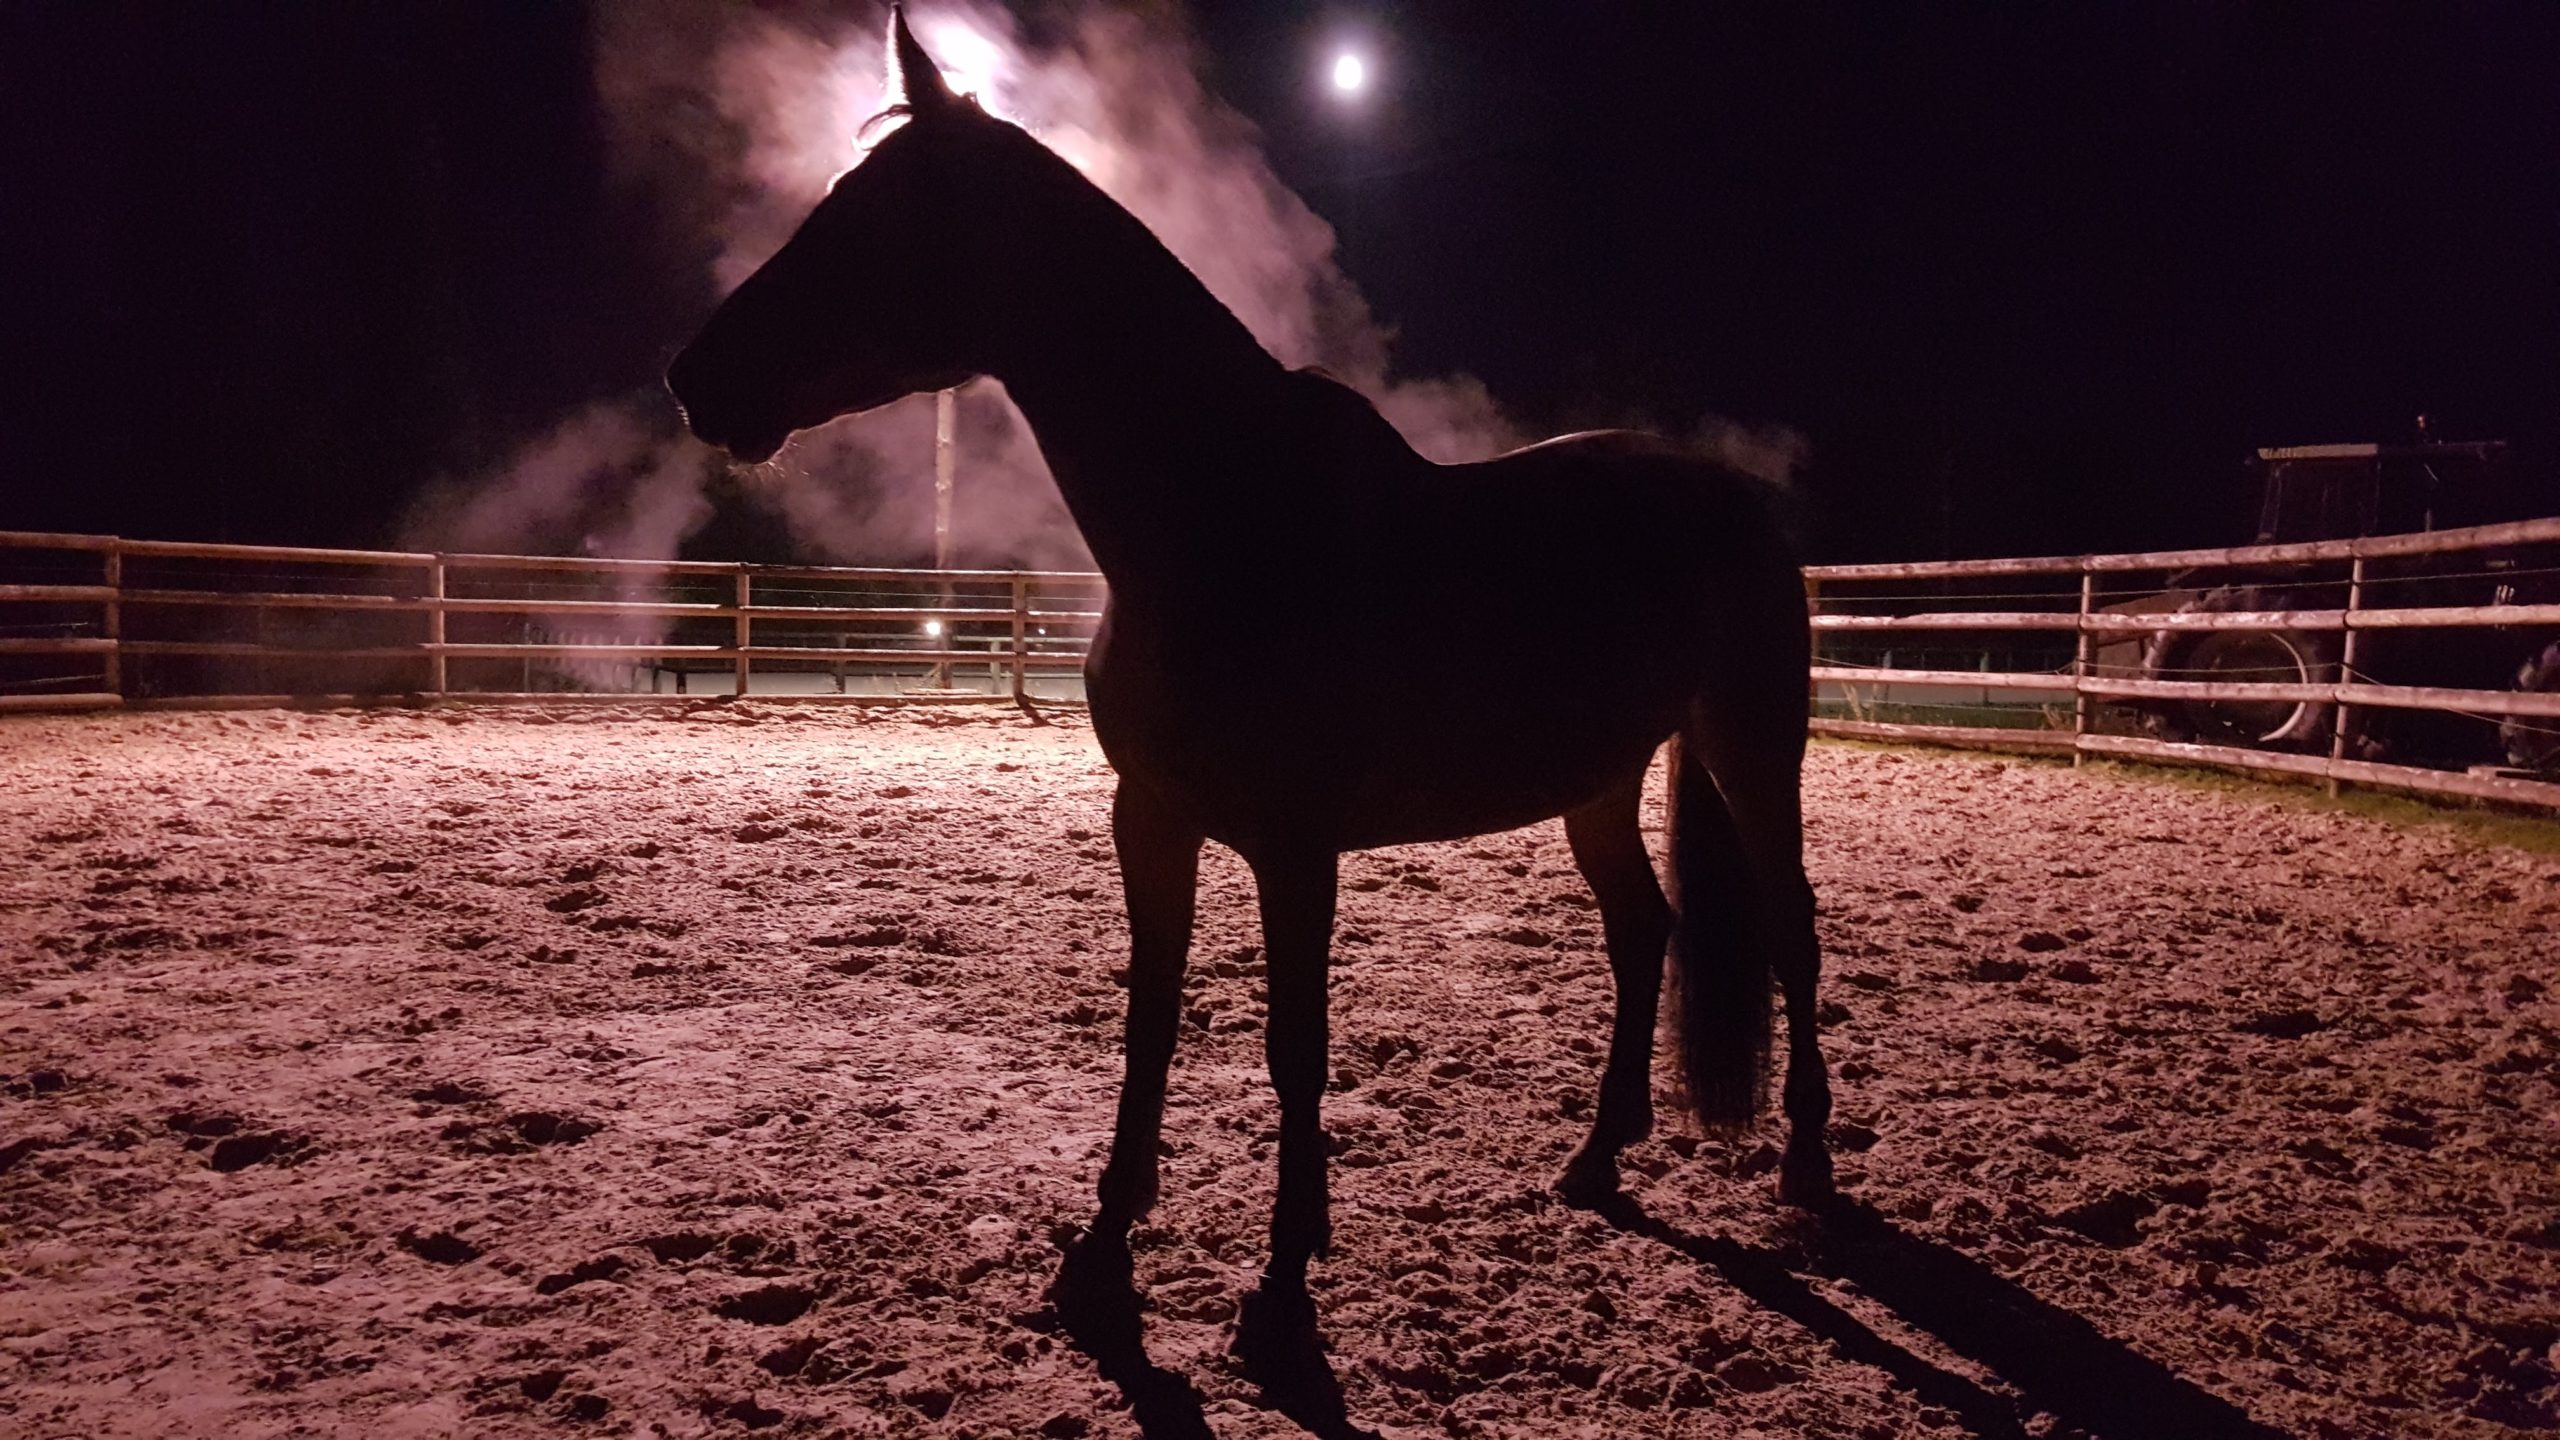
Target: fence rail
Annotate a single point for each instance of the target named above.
(1846, 610)
(404, 624)
(411, 617)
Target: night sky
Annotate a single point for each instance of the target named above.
(2026, 277)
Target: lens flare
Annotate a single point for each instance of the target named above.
(971, 62)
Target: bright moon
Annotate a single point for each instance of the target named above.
(1349, 74)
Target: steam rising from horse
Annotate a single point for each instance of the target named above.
(1526, 631)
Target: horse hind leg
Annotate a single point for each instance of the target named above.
(1275, 1330)
(1635, 920)
(1757, 769)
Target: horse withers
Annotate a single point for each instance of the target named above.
(1260, 526)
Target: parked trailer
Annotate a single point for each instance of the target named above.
(2079, 599)
(2312, 493)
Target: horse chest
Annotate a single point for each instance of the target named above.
(1204, 715)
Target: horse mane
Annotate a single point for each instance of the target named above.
(886, 113)
(901, 110)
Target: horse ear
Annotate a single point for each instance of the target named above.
(912, 72)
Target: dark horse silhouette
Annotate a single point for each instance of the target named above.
(1260, 527)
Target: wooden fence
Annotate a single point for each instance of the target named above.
(378, 626)
(117, 614)
(2088, 601)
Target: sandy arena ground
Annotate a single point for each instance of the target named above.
(512, 1073)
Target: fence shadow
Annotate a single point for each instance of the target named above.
(2057, 1361)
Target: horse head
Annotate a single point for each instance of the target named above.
(883, 291)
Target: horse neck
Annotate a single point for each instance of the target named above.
(1159, 413)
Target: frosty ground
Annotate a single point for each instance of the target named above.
(509, 1072)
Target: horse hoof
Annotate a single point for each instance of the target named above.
(1804, 1178)
(1276, 1334)
(1587, 1185)
(1096, 1285)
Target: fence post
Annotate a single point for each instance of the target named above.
(1813, 641)
(435, 626)
(1021, 634)
(744, 629)
(111, 620)
(2347, 648)
(2081, 659)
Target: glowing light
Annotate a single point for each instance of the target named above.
(933, 628)
(1350, 73)
(971, 63)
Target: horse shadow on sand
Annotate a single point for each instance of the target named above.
(1298, 1382)
(2056, 1362)
(2053, 1361)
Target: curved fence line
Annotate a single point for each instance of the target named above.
(177, 624)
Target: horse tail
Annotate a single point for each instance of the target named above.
(1720, 974)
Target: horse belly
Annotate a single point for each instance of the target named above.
(1353, 735)
(1452, 781)
(1365, 774)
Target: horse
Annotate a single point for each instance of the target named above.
(1258, 525)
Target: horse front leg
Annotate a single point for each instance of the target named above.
(1635, 921)
(1297, 896)
(1159, 872)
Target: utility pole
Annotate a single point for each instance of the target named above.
(946, 407)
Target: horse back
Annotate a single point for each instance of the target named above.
(1606, 521)
(1596, 584)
